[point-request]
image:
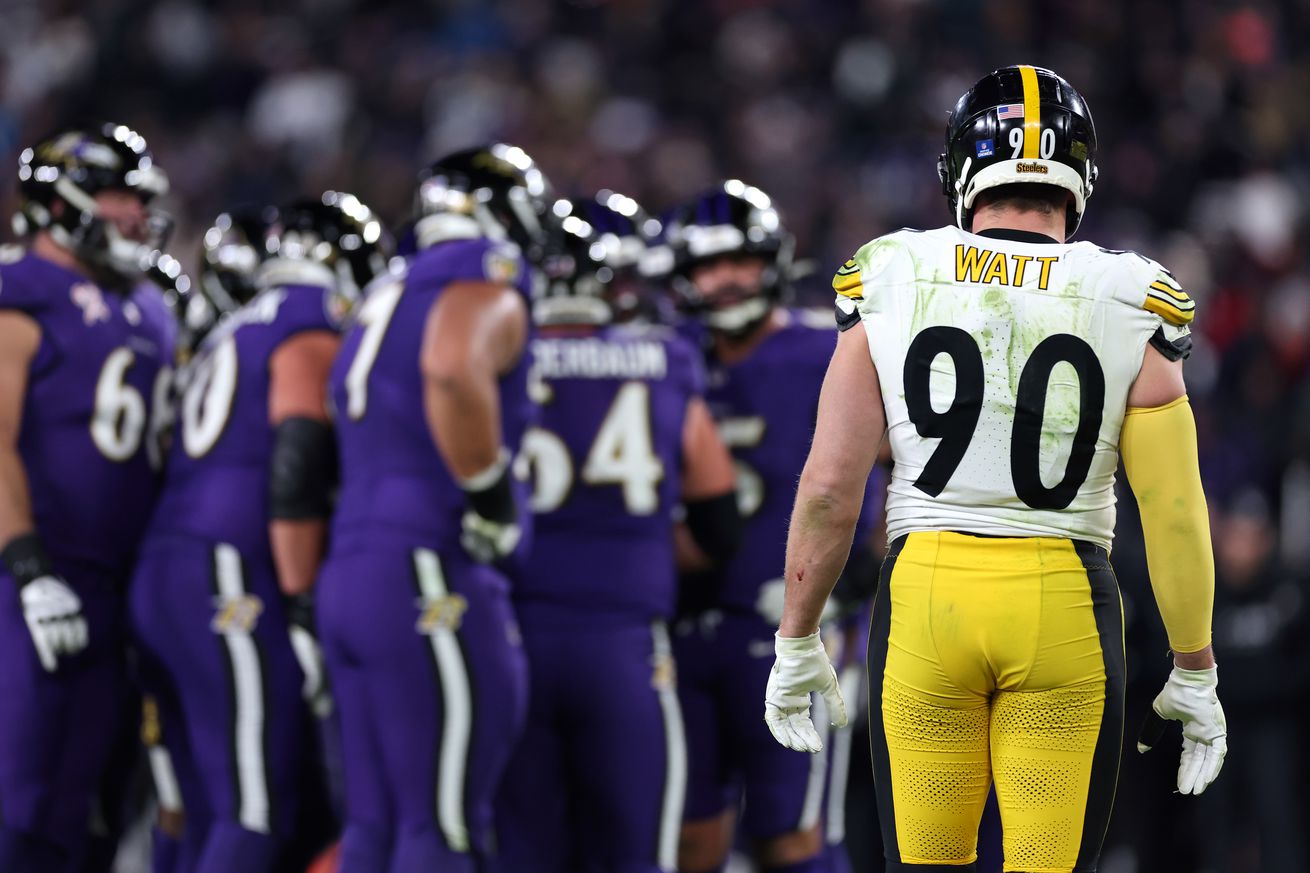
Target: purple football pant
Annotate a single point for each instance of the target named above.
(56, 729)
(724, 661)
(597, 783)
(430, 681)
(216, 657)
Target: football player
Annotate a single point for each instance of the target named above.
(218, 598)
(624, 435)
(78, 367)
(766, 364)
(431, 401)
(1010, 369)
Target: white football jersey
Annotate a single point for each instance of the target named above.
(1005, 361)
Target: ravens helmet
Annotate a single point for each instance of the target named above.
(627, 233)
(1019, 125)
(231, 251)
(731, 219)
(336, 233)
(577, 270)
(58, 180)
(493, 191)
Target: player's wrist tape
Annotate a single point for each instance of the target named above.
(490, 492)
(805, 645)
(1207, 677)
(25, 558)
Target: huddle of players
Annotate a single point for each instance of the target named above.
(404, 489)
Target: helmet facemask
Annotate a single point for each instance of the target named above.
(733, 220)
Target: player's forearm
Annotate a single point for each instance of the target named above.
(298, 547)
(15, 498)
(463, 411)
(1160, 458)
(818, 543)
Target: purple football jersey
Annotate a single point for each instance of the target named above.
(393, 480)
(87, 411)
(765, 407)
(216, 485)
(149, 298)
(606, 461)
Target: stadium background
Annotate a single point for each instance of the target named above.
(837, 110)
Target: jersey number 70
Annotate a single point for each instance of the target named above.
(955, 427)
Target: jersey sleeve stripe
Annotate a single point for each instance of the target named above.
(1184, 303)
(848, 284)
(1169, 312)
(1176, 293)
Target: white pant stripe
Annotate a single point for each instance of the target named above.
(813, 803)
(675, 750)
(850, 680)
(248, 683)
(167, 791)
(457, 709)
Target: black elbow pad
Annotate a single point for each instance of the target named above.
(716, 525)
(303, 471)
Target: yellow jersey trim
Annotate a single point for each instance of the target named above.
(848, 281)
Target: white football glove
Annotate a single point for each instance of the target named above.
(315, 688)
(486, 540)
(53, 612)
(1190, 696)
(801, 667)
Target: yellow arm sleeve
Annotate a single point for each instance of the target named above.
(1160, 457)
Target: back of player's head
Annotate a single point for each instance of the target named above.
(494, 191)
(335, 231)
(730, 220)
(627, 234)
(59, 178)
(231, 251)
(577, 271)
(1019, 125)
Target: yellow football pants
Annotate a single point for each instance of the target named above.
(995, 659)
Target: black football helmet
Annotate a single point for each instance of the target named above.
(577, 270)
(1019, 125)
(230, 254)
(732, 218)
(337, 232)
(495, 191)
(57, 183)
(626, 233)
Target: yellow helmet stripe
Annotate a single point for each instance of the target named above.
(1032, 113)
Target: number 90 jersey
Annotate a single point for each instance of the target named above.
(1005, 361)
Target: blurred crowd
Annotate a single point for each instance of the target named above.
(836, 108)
